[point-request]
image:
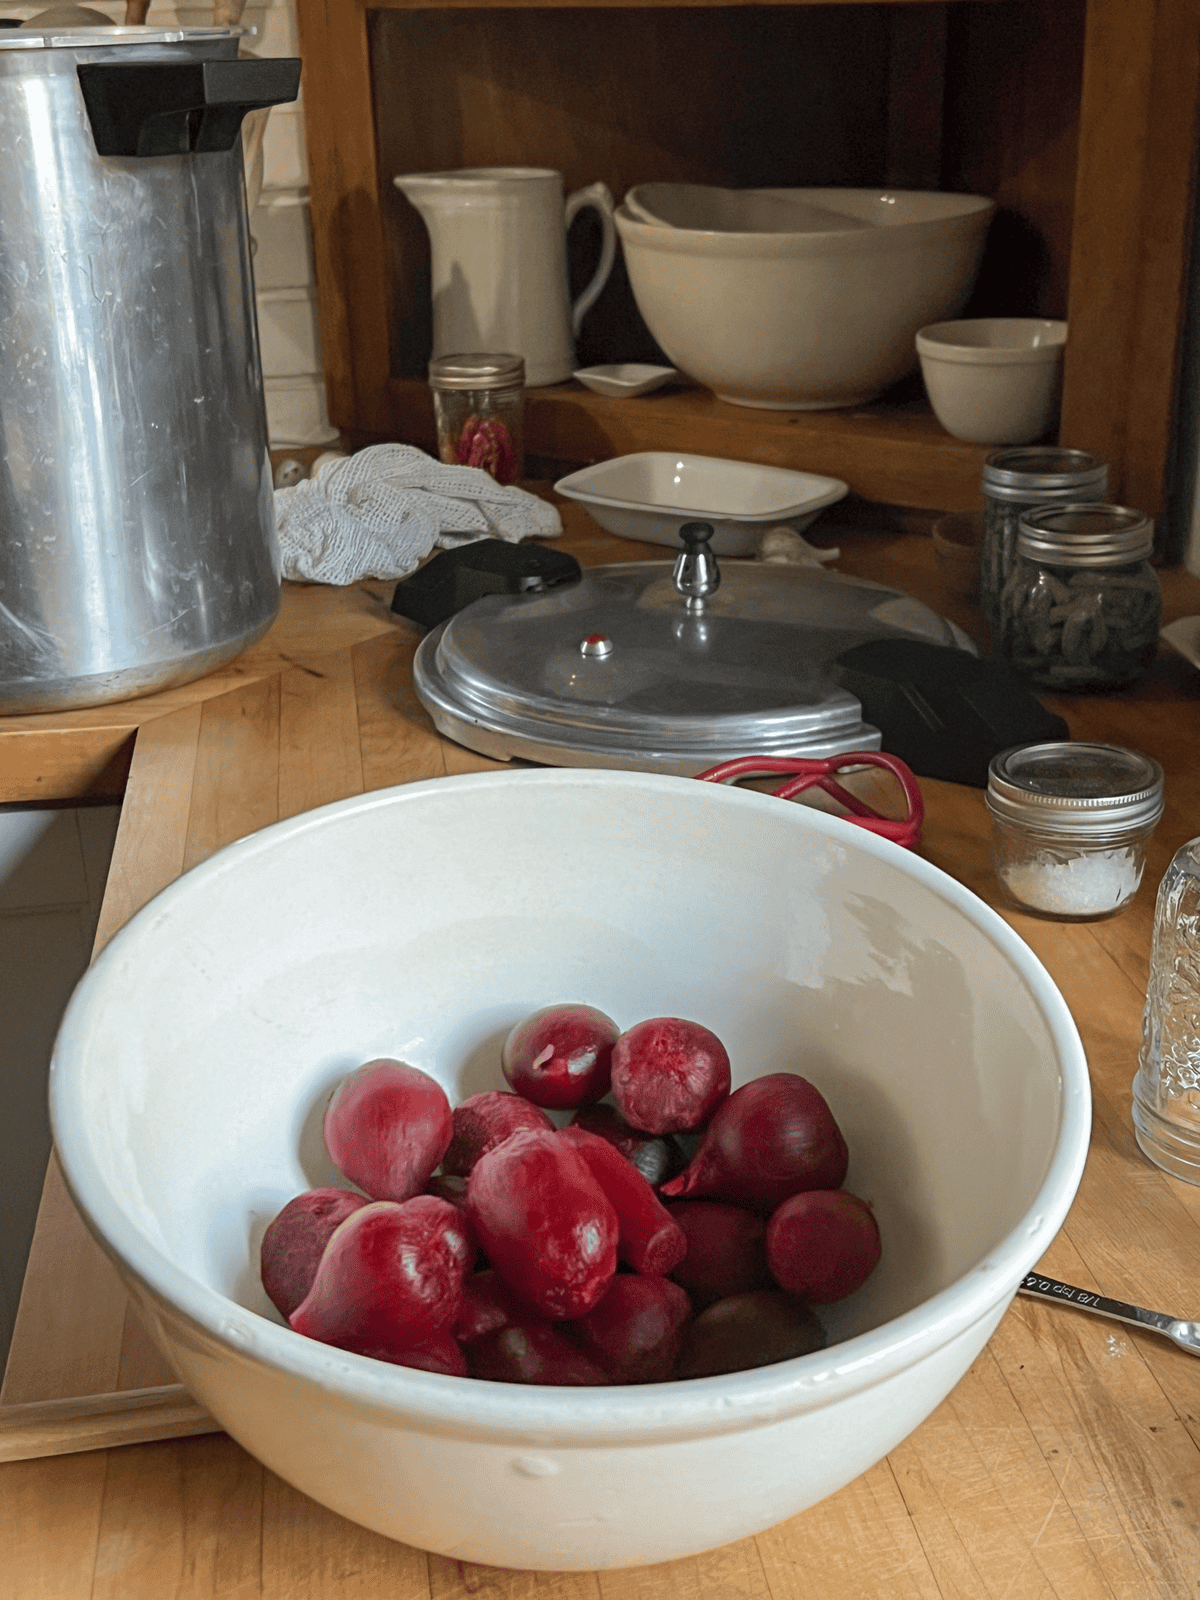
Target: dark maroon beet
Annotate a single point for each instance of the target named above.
(769, 1140)
(448, 1186)
(635, 1331)
(547, 1226)
(484, 1121)
(295, 1241)
(726, 1250)
(648, 1240)
(656, 1156)
(669, 1075)
(487, 1304)
(748, 1330)
(560, 1057)
(391, 1277)
(532, 1352)
(822, 1245)
(387, 1126)
(440, 1354)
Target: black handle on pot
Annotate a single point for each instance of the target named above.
(179, 108)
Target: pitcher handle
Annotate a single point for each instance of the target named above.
(599, 196)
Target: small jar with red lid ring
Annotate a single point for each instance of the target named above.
(479, 412)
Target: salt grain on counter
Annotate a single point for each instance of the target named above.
(1086, 884)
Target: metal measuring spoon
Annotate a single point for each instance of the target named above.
(1185, 1334)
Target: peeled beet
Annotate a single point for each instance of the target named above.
(656, 1156)
(635, 1331)
(486, 1120)
(390, 1280)
(560, 1056)
(387, 1126)
(822, 1245)
(547, 1226)
(769, 1140)
(648, 1238)
(726, 1250)
(748, 1330)
(532, 1352)
(295, 1241)
(669, 1075)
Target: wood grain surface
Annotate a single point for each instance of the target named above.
(1065, 1464)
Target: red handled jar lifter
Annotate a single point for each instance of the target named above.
(821, 774)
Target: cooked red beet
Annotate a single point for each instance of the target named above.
(669, 1075)
(560, 1056)
(387, 1126)
(748, 1330)
(441, 1354)
(532, 1352)
(487, 1304)
(547, 1226)
(772, 1138)
(648, 1240)
(726, 1250)
(486, 1120)
(822, 1245)
(635, 1331)
(391, 1277)
(295, 1241)
(656, 1156)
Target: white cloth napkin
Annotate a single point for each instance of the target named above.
(379, 513)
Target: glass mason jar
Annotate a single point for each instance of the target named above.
(1015, 481)
(479, 412)
(1082, 607)
(1166, 1088)
(1070, 824)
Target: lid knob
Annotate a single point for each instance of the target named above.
(696, 574)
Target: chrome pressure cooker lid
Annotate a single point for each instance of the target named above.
(643, 666)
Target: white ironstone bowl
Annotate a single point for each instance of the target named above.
(196, 1057)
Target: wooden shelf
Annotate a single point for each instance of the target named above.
(1079, 117)
(898, 454)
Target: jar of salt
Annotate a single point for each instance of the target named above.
(1070, 823)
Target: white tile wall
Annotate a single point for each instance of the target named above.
(53, 866)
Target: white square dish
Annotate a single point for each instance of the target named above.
(648, 495)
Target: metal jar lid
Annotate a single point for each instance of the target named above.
(477, 370)
(1035, 474)
(1064, 787)
(1086, 534)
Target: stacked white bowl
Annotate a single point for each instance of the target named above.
(798, 298)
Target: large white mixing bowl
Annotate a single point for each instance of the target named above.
(194, 1062)
(801, 318)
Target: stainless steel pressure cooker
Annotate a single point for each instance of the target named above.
(137, 538)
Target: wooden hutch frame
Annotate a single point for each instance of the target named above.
(1081, 117)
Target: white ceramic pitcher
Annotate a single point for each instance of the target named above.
(498, 240)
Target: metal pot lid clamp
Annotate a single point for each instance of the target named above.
(665, 668)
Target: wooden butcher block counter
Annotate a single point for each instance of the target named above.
(1067, 1461)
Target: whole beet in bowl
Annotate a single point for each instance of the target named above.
(196, 1057)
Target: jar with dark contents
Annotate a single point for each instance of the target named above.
(1082, 608)
(1015, 481)
(478, 407)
